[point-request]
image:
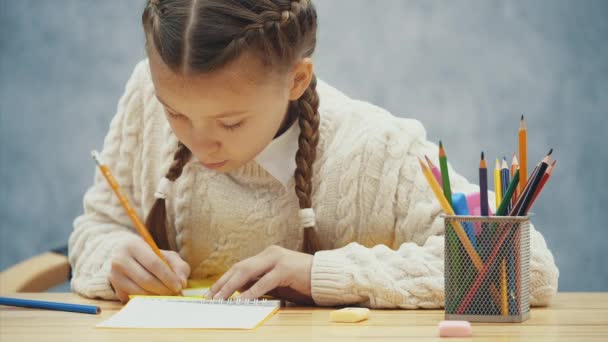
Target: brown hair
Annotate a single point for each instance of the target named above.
(199, 36)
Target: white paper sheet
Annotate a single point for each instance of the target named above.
(190, 313)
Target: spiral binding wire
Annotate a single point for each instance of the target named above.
(236, 301)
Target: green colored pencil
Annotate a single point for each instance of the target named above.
(506, 200)
(445, 176)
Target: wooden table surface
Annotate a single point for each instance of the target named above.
(571, 317)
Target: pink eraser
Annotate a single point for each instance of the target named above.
(475, 209)
(474, 206)
(455, 329)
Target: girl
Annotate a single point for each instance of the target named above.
(215, 131)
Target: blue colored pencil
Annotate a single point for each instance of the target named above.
(39, 304)
(505, 179)
(511, 276)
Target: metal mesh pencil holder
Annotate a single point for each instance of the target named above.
(487, 268)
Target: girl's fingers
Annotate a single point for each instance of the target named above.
(244, 272)
(124, 287)
(122, 296)
(215, 288)
(236, 280)
(155, 265)
(178, 265)
(266, 284)
(145, 279)
(248, 285)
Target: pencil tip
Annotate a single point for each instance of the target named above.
(522, 117)
(95, 156)
(483, 156)
(421, 163)
(440, 144)
(550, 152)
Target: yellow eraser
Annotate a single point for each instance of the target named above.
(349, 315)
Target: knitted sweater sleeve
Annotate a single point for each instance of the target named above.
(104, 226)
(410, 273)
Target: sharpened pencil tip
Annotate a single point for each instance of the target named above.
(483, 156)
(522, 117)
(421, 163)
(440, 144)
(95, 156)
(550, 152)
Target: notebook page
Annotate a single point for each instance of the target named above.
(189, 313)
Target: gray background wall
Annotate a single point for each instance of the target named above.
(466, 69)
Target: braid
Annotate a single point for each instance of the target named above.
(308, 120)
(282, 30)
(156, 222)
(181, 157)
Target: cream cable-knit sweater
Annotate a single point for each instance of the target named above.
(376, 215)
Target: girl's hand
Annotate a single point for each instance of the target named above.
(276, 271)
(137, 270)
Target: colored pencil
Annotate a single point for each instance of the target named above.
(512, 253)
(497, 183)
(39, 304)
(510, 258)
(462, 235)
(504, 204)
(483, 186)
(514, 167)
(504, 303)
(505, 178)
(518, 204)
(527, 198)
(434, 170)
(468, 247)
(445, 176)
(523, 154)
(543, 181)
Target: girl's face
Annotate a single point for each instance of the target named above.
(227, 117)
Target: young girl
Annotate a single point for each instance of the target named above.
(215, 131)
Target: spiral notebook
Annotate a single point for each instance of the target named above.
(191, 313)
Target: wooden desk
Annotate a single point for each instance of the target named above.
(572, 317)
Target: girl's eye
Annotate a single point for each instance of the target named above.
(233, 126)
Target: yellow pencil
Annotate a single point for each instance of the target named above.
(504, 302)
(497, 184)
(464, 239)
(139, 225)
(448, 210)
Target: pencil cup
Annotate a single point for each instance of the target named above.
(487, 268)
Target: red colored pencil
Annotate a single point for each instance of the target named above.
(543, 181)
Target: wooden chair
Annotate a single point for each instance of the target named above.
(38, 273)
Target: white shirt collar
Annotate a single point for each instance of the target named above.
(278, 158)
